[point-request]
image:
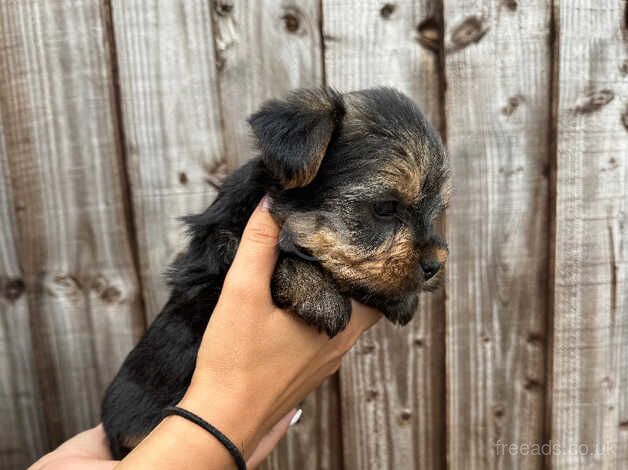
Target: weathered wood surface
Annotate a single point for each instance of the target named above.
(171, 125)
(392, 387)
(263, 49)
(117, 116)
(497, 113)
(590, 353)
(22, 435)
(72, 235)
(187, 85)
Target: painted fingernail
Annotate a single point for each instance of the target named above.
(266, 202)
(296, 417)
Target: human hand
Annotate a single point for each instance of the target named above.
(257, 361)
(89, 450)
(86, 450)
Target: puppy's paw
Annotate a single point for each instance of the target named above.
(327, 310)
(398, 310)
(304, 288)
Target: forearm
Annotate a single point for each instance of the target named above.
(178, 443)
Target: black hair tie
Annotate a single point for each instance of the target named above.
(224, 440)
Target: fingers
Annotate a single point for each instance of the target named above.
(362, 316)
(270, 440)
(92, 443)
(87, 450)
(257, 253)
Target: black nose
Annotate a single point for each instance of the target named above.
(430, 268)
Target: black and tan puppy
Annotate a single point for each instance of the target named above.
(356, 180)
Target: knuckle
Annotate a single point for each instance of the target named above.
(262, 234)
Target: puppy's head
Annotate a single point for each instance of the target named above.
(361, 178)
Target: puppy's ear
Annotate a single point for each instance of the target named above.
(293, 134)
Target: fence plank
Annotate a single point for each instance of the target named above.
(590, 347)
(171, 121)
(264, 49)
(22, 436)
(498, 73)
(392, 385)
(73, 245)
(185, 99)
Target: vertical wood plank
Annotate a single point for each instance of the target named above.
(497, 110)
(264, 49)
(590, 346)
(22, 436)
(188, 83)
(171, 122)
(392, 385)
(65, 169)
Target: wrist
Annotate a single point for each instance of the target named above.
(233, 413)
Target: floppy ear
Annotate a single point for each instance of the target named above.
(293, 134)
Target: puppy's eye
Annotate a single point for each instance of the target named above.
(385, 209)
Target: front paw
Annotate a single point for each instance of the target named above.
(304, 288)
(398, 310)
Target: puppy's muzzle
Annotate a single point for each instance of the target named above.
(433, 256)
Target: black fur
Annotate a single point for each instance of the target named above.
(359, 134)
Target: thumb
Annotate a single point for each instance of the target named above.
(258, 249)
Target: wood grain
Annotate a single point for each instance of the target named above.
(171, 122)
(263, 49)
(590, 345)
(22, 435)
(65, 174)
(497, 111)
(392, 384)
(187, 85)
(118, 116)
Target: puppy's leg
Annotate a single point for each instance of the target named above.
(303, 287)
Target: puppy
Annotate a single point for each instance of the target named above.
(356, 181)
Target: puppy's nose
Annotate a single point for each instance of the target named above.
(430, 268)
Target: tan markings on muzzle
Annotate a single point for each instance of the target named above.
(388, 269)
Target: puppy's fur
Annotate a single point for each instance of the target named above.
(356, 181)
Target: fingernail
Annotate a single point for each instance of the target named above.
(266, 202)
(296, 417)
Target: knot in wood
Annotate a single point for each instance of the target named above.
(387, 10)
(292, 19)
(429, 34)
(13, 289)
(511, 4)
(106, 290)
(594, 101)
(470, 31)
(223, 7)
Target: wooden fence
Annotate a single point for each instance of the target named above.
(116, 116)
